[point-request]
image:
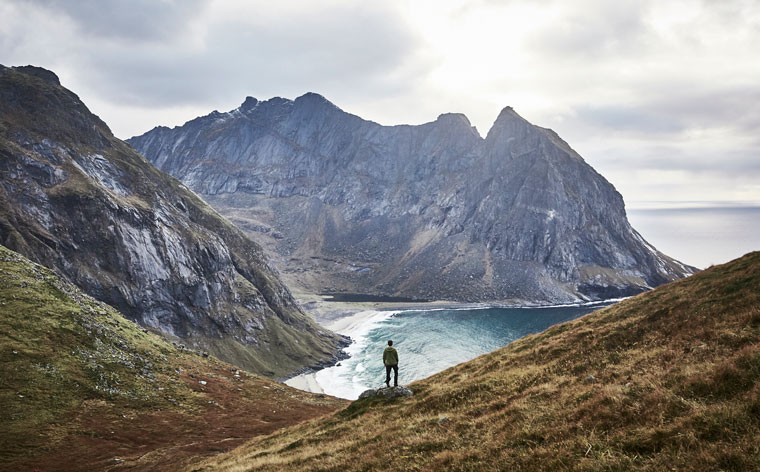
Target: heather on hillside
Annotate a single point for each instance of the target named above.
(667, 379)
(83, 388)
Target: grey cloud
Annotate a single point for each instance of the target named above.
(592, 30)
(716, 106)
(626, 118)
(348, 47)
(136, 20)
(676, 108)
(734, 162)
(597, 30)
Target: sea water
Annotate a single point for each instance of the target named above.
(699, 233)
(429, 341)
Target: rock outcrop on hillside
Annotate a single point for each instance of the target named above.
(433, 211)
(76, 199)
(387, 392)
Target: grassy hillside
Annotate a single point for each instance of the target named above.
(83, 388)
(667, 380)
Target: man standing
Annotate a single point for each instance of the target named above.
(390, 359)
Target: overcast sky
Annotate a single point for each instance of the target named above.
(661, 97)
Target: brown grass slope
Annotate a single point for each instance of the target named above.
(83, 388)
(667, 380)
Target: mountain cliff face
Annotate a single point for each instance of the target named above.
(433, 211)
(76, 199)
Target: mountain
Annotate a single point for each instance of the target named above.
(433, 211)
(76, 199)
(83, 388)
(666, 380)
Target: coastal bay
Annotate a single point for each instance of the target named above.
(429, 339)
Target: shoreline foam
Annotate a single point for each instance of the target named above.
(334, 380)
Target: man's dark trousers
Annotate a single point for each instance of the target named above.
(388, 374)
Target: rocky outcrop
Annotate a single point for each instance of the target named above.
(433, 211)
(387, 392)
(76, 199)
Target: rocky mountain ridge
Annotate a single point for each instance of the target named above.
(432, 211)
(76, 199)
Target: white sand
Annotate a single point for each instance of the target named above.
(357, 322)
(306, 382)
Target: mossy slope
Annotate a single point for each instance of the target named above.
(667, 380)
(83, 388)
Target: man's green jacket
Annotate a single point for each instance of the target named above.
(390, 356)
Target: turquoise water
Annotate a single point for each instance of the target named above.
(432, 340)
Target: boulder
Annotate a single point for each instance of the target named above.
(387, 392)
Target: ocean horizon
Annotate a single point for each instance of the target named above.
(698, 233)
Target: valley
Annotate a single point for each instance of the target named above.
(142, 328)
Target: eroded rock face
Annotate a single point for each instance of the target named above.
(433, 211)
(76, 199)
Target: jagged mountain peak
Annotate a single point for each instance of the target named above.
(455, 129)
(26, 90)
(248, 104)
(315, 104)
(431, 211)
(39, 72)
(454, 118)
(309, 101)
(509, 123)
(313, 97)
(508, 112)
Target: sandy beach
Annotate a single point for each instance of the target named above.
(329, 313)
(306, 382)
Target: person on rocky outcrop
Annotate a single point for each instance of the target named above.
(390, 359)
